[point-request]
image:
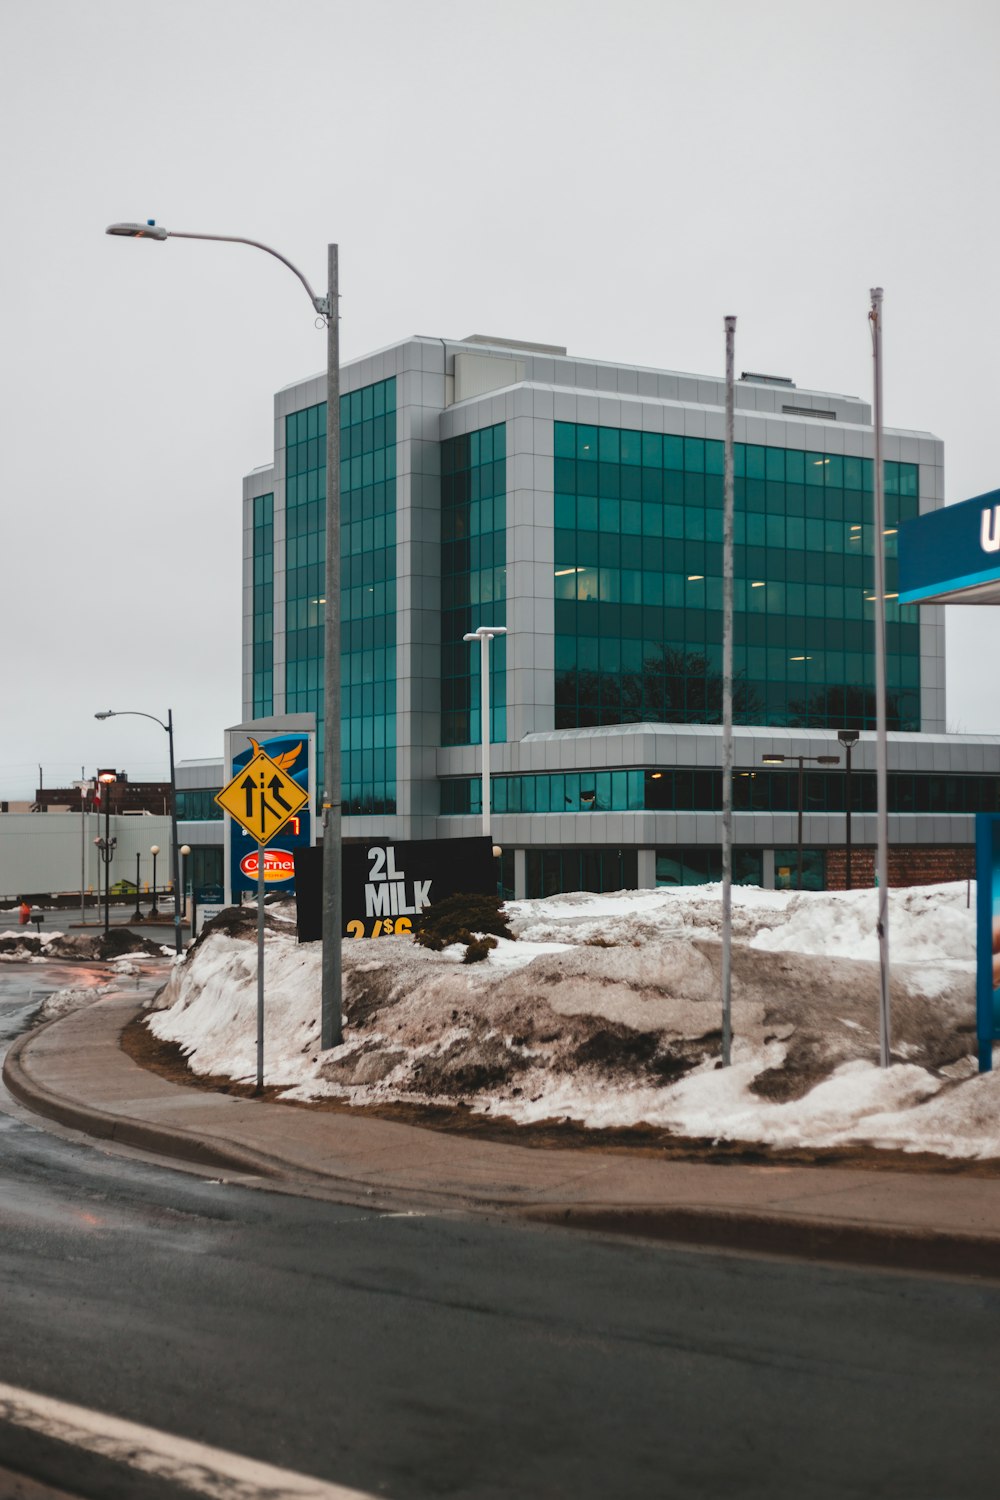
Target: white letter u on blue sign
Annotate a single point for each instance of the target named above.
(989, 531)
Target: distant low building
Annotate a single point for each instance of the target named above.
(124, 796)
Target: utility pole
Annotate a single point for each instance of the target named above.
(727, 699)
(331, 1022)
(881, 738)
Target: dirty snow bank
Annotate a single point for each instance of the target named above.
(606, 1011)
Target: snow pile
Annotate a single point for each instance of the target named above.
(25, 947)
(926, 924)
(606, 1011)
(74, 997)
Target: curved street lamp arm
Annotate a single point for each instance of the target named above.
(321, 304)
(134, 713)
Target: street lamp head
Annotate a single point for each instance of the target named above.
(485, 630)
(107, 713)
(185, 849)
(107, 777)
(828, 760)
(848, 737)
(148, 231)
(154, 848)
(773, 760)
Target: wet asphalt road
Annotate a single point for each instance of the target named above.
(414, 1357)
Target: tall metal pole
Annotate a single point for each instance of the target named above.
(331, 1023)
(484, 701)
(727, 698)
(848, 743)
(850, 807)
(83, 854)
(798, 857)
(175, 845)
(106, 855)
(328, 308)
(881, 737)
(260, 966)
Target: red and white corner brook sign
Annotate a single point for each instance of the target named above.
(279, 864)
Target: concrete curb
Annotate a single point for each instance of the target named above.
(756, 1233)
(738, 1229)
(185, 1145)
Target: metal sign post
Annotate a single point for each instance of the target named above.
(262, 798)
(260, 967)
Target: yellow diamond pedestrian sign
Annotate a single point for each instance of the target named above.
(262, 798)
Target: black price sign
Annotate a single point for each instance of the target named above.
(388, 886)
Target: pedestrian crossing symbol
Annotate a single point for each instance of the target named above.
(262, 798)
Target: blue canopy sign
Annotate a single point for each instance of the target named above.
(952, 556)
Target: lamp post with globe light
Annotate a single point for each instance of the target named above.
(137, 914)
(185, 851)
(154, 850)
(106, 845)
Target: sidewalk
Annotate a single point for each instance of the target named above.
(74, 1071)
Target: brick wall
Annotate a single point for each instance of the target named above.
(913, 865)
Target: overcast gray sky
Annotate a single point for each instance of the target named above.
(615, 177)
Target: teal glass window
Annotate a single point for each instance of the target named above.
(263, 605)
(198, 805)
(690, 789)
(548, 872)
(638, 584)
(474, 580)
(367, 580)
(702, 863)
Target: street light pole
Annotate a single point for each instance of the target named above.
(154, 850)
(106, 845)
(484, 634)
(328, 308)
(331, 1022)
(848, 738)
(174, 848)
(135, 713)
(820, 760)
(881, 735)
(84, 787)
(728, 505)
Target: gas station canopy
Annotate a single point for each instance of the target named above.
(952, 556)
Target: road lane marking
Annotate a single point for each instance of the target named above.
(205, 1471)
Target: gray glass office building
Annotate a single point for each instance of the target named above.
(579, 504)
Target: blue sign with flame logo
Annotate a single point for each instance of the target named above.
(291, 754)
